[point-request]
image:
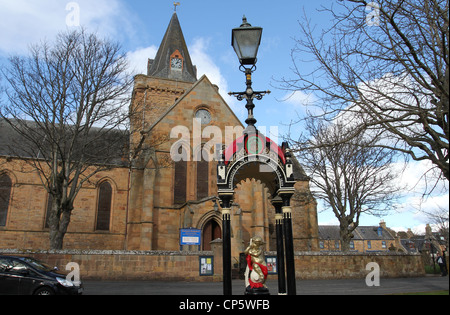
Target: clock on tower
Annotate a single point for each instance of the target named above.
(176, 61)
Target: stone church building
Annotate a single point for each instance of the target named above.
(143, 206)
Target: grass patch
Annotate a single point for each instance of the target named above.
(433, 270)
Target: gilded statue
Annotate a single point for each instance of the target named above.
(256, 272)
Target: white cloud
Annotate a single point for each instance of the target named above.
(300, 99)
(206, 65)
(298, 103)
(27, 22)
(415, 204)
(418, 177)
(328, 221)
(428, 205)
(138, 59)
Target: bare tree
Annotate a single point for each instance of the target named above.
(352, 177)
(67, 103)
(385, 64)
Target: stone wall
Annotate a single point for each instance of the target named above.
(338, 265)
(126, 265)
(185, 266)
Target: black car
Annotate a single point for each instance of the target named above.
(28, 276)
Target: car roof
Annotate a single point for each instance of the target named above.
(16, 257)
(7, 256)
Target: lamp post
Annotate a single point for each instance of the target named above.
(245, 41)
(278, 205)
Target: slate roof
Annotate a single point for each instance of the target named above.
(413, 244)
(173, 40)
(418, 243)
(299, 172)
(7, 141)
(371, 233)
(104, 147)
(329, 232)
(361, 233)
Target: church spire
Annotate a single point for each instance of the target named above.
(172, 60)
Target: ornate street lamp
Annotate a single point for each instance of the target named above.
(245, 41)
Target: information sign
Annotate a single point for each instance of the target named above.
(190, 237)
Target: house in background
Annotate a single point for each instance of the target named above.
(365, 239)
(432, 242)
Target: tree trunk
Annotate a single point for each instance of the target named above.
(58, 227)
(345, 241)
(345, 236)
(56, 240)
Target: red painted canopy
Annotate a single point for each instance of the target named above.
(245, 142)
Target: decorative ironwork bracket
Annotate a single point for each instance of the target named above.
(249, 95)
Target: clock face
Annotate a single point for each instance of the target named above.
(176, 63)
(204, 116)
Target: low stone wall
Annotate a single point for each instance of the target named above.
(185, 266)
(337, 265)
(126, 265)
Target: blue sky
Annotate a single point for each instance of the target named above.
(140, 25)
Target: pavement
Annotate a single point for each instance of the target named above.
(304, 287)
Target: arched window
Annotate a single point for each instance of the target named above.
(202, 177)
(104, 206)
(180, 179)
(5, 196)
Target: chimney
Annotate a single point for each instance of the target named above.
(410, 233)
(383, 224)
(428, 231)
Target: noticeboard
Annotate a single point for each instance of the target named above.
(206, 265)
(271, 262)
(190, 237)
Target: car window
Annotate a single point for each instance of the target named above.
(5, 265)
(17, 267)
(37, 264)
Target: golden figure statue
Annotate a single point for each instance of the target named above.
(256, 272)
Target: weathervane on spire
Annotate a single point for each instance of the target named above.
(175, 5)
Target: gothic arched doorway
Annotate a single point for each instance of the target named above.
(211, 231)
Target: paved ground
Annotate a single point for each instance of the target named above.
(304, 287)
